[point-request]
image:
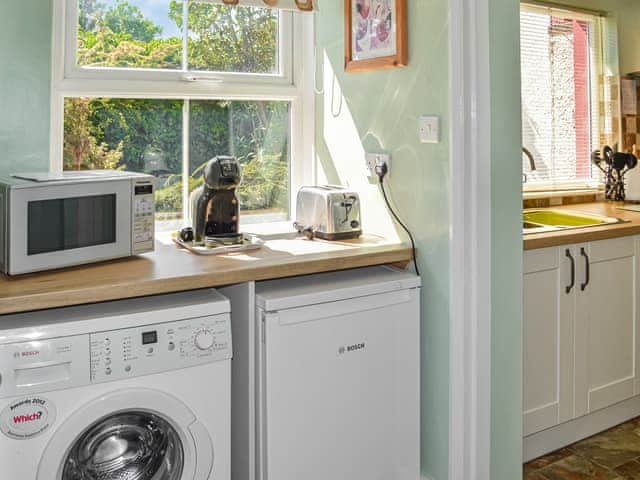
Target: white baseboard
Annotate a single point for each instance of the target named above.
(554, 438)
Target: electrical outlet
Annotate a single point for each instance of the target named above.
(429, 129)
(373, 159)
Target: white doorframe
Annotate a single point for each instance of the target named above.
(470, 279)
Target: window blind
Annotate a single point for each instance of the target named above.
(563, 92)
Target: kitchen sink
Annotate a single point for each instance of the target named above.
(528, 225)
(546, 220)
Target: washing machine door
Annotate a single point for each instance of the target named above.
(139, 434)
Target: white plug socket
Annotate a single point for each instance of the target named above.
(373, 159)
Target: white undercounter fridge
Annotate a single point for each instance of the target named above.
(338, 376)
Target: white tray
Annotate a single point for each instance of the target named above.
(249, 242)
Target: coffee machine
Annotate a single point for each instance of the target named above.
(215, 211)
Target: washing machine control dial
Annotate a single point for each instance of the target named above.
(204, 339)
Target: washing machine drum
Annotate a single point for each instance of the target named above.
(132, 445)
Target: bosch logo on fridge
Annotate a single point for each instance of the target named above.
(351, 348)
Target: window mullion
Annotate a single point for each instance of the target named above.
(186, 108)
(185, 35)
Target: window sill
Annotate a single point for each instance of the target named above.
(263, 229)
(269, 228)
(535, 194)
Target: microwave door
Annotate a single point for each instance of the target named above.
(67, 225)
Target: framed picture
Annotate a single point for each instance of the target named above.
(375, 34)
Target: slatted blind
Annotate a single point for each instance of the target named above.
(562, 95)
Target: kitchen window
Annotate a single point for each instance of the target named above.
(161, 87)
(565, 113)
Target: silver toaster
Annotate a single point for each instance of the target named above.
(328, 212)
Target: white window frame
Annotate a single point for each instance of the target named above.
(294, 84)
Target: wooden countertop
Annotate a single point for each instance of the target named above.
(580, 235)
(170, 269)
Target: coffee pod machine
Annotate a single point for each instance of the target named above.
(215, 211)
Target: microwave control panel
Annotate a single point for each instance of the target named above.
(143, 217)
(133, 352)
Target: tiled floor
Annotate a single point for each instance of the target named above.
(611, 455)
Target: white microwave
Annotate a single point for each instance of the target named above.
(55, 220)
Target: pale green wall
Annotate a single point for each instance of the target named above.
(628, 17)
(381, 111)
(25, 79)
(506, 211)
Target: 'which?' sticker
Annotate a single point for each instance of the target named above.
(27, 418)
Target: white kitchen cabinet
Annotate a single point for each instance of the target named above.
(606, 324)
(581, 350)
(548, 338)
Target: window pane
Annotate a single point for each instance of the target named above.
(130, 34)
(556, 96)
(148, 34)
(240, 39)
(257, 133)
(136, 135)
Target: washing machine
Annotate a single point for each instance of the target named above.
(126, 390)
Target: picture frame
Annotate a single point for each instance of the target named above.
(375, 34)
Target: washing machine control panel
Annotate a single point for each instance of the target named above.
(157, 348)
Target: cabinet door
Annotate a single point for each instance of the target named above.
(606, 324)
(340, 390)
(548, 338)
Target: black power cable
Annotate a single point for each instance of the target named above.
(381, 172)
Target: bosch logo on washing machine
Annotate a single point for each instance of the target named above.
(27, 418)
(31, 353)
(30, 350)
(27, 354)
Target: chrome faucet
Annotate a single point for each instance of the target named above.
(532, 163)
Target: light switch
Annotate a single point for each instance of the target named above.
(429, 129)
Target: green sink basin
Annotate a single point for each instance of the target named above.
(536, 221)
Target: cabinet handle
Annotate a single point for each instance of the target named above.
(573, 271)
(587, 274)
